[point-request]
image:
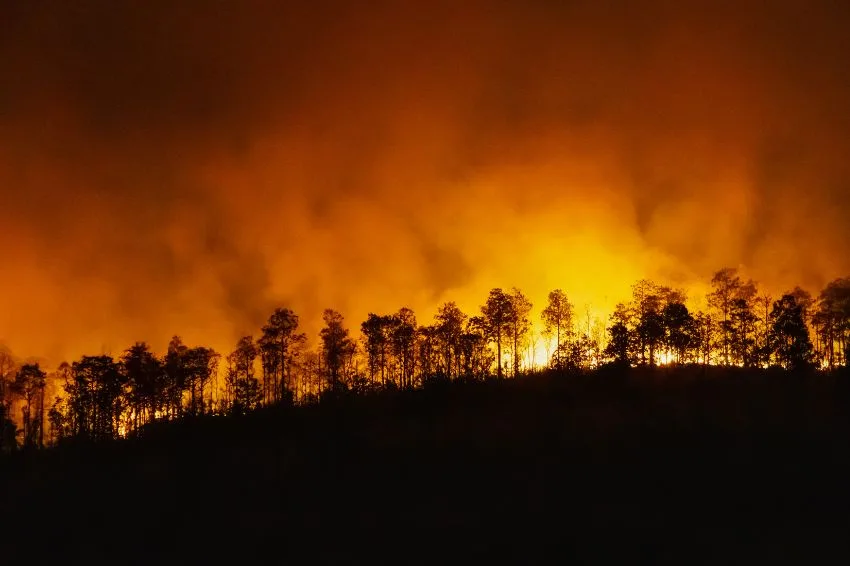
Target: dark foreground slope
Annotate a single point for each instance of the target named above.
(664, 467)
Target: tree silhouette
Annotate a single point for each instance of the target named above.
(29, 385)
(558, 319)
(278, 346)
(8, 429)
(105, 399)
(337, 347)
(146, 381)
(705, 336)
(176, 376)
(241, 376)
(8, 370)
(833, 320)
(648, 300)
(61, 416)
(95, 397)
(619, 348)
(59, 422)
(200, 364)
(476, 357)
(651, 333)
(519, 324)
(449, 323)
(763, 303)
(731, 299)
(789, 334)
(8, 432)
(576, 355)
(742, 326)
(403, 344)
(428, 351)
(679, 329)
(377, 332)
(498, 317)
(270, 362)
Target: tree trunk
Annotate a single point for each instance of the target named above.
(516, 351)
(499, 355)
(41, 420)
(558, 345)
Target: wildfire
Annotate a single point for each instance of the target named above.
(665, 359)
(541, 352)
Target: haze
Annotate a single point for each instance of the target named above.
(182, 168)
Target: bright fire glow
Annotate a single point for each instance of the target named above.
(666, 358)
(541, 351)
(370, 156)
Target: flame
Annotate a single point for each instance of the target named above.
(317, 156)
(665, 358)
(541, 349)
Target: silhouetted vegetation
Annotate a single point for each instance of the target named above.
(100, 398)
(414, 430)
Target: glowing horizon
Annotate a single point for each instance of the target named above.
(365, 159)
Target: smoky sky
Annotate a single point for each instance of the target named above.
(184, 167)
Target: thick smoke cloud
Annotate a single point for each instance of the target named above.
(184, 167)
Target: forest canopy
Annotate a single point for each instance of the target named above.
(100, 397)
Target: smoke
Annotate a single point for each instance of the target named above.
(183, 168)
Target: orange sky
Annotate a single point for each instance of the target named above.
(184, 169)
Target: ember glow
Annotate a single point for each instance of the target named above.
(183, 168)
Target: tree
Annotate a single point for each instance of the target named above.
(29, 385)
(732, 300)
(498, 314)
(725, 284)
(650, 330)
(376, 332)
(597, 341)
(59, 422)
(427, 346)
(241, 376)
(449, 322)
(619, 348)
(789, 334)
(476, 357)
(96, 397)
(270, 363)
(519, 323)
(833, 320)
(143, 372)
(200, 364)
(8, 433)
(8, 370)
(648, 298)
(804, 300)
(558, 319)
(576, 355)
(679, 329)
(176, 377)
(762, 305)
(403, 344)
(279, 345)
(337, 347)
(741, 328)
(61, 417)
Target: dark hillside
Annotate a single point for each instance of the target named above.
(674, 466)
